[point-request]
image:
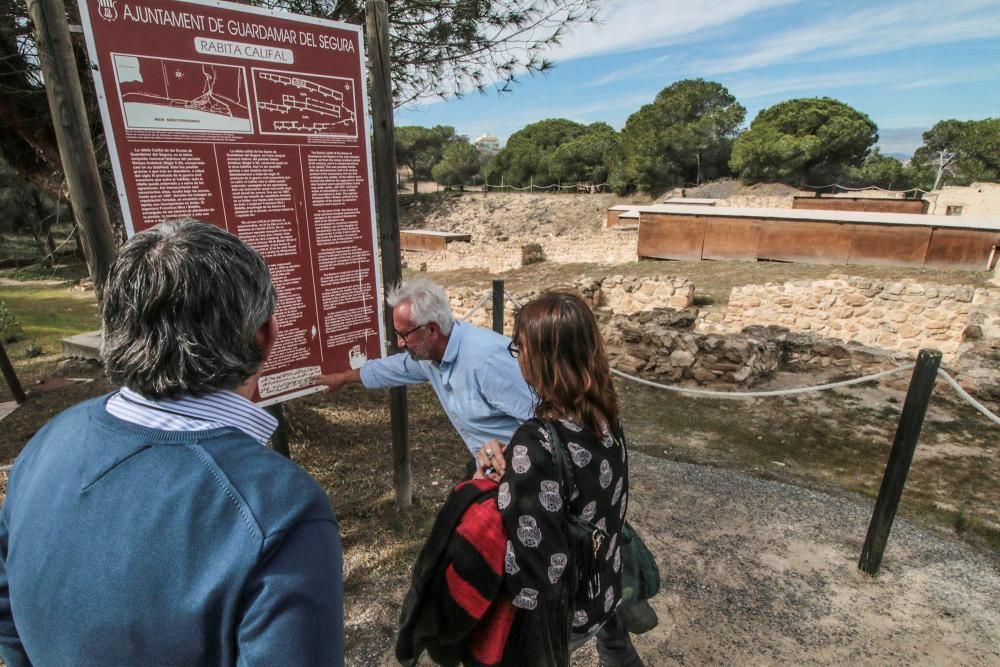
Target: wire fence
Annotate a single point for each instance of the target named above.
(576, 188)
(836, 186)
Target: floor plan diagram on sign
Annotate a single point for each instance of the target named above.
(311, 104)
(165, 94)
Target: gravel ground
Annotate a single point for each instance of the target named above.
(758, 572)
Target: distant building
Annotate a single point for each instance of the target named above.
(487, 145)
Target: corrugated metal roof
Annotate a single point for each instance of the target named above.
(912, 219)
(700, 201)
(457, 236)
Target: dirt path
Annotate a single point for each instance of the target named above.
(758, 572)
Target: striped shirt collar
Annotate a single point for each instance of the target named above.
(194, 413)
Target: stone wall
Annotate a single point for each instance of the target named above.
(653, 331)
(903, 315)
(617, 294)
(651, 345)
(499, 253)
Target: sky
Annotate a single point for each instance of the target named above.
(905, 63)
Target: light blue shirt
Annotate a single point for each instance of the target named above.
(477, 381)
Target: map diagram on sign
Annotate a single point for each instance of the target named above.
(290, 103)
(163, 94)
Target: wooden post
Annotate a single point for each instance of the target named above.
(279, 440)
(387, 209)
(76, 149)
(11, 376)
(498, 306)
(900, 456)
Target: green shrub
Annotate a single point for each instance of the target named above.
(10, 327)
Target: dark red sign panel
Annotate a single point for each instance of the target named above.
(255, 121)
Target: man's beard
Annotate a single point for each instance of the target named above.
(421, 353)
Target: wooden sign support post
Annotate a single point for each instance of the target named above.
(12, 382)
(387, 210)
(76, 149)
(279, 439)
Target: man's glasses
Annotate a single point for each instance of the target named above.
(513, 348)
(404, 335)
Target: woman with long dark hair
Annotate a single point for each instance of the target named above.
(564, 594)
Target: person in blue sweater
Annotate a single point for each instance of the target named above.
(153, 525)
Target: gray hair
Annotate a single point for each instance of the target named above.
(428, 303)
(182, 307)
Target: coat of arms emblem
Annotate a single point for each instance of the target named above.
(107, 9)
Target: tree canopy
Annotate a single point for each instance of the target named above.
(803, 140)
(885, 171)
(420, 148)
(965, 151)
(528, 155)
(459, 164)
(586, 158)
(684, 135)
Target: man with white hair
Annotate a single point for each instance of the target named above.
(478, 383)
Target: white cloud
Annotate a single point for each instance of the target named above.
(950, 77)
(868, 31)
(816, 84)
(643, 24)
(641, 69)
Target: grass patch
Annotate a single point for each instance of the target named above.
(65, 272)
(831, 442)
(24, 258)
(47, 314)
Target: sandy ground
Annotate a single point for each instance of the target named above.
(758, 573)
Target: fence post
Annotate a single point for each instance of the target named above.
(15, 384)
(498, 306)
(900, 456)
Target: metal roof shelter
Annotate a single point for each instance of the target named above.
(424, 240)
(870, 204)
(692, 201)
(816, 236)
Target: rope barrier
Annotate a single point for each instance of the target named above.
(517, 304)
(577, 187)
(964, 394)
(867, 187)
(761, 394)
(478, 305)
(803, 390)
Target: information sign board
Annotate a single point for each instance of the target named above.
(254, 120)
